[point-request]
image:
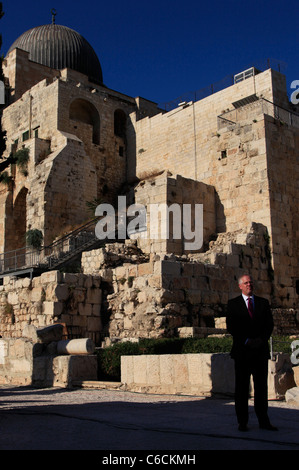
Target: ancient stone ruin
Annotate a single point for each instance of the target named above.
(72, 144)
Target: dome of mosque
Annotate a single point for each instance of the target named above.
(60, 47)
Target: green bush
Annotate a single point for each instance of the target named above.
(109, 359)
(282, 344)
(21, 158)
(207, 345)
(34, 238)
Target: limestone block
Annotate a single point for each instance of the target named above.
(52, 308)
(17, 349)
(26, 282)
(51, 276)
(181, 369)
(3, 351)
(129, 308)
(280, 376)
(194, 297)
(296, 375)
(128, 323)
(94, 296)
(20, 366)
(94, 324)
(233, 260)
(171, 268)
(194, 363)
(13, 298)
(155, 281)
(29, 331)
(43, 371)
(78, 294)
(62, 292)
(166, 369)
(198, 374)
(85, 309)
(139, 369)
(222, 374)
(142, 296)
(69, 278)
(50, 333)
(292, 396)
(82, 368)
(145, 268)
(127, 369)
(36, 294)
(153, 369)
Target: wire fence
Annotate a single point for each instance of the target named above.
(261, 106)
(226, 82)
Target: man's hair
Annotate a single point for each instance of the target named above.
(241, 277)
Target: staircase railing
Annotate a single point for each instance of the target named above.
(54, 255)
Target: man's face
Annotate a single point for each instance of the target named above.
(246, 285)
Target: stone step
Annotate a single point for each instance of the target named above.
(96, 384)
(200, 332)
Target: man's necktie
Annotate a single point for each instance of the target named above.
(250, 307)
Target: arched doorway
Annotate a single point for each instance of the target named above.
(85, 112)
(15, 229)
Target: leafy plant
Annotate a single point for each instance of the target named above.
(21, 158)
(5, 178)
(93, 204)
(34, 238)
(109, 359)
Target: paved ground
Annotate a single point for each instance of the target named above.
(114, 420)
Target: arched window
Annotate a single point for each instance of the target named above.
(84, 111)
(15, 229)
(120, 123)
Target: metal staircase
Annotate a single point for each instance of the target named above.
(25, 261)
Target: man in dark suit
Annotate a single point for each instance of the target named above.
(250, 322)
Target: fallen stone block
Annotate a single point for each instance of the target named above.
(50, 333)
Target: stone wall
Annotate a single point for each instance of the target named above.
(124, 294)
(169, 295)
(72, 299)
(16, 361)
(197, 374)
(76, 154)
(179, 195)
(249, 154)
(283, 174)
(15, 66)
(191, 146)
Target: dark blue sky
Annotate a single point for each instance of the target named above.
(162, 49)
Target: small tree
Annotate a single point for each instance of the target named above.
(34, 238)
(21, 158)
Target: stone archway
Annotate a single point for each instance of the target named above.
(85, 112)
(15, 228)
